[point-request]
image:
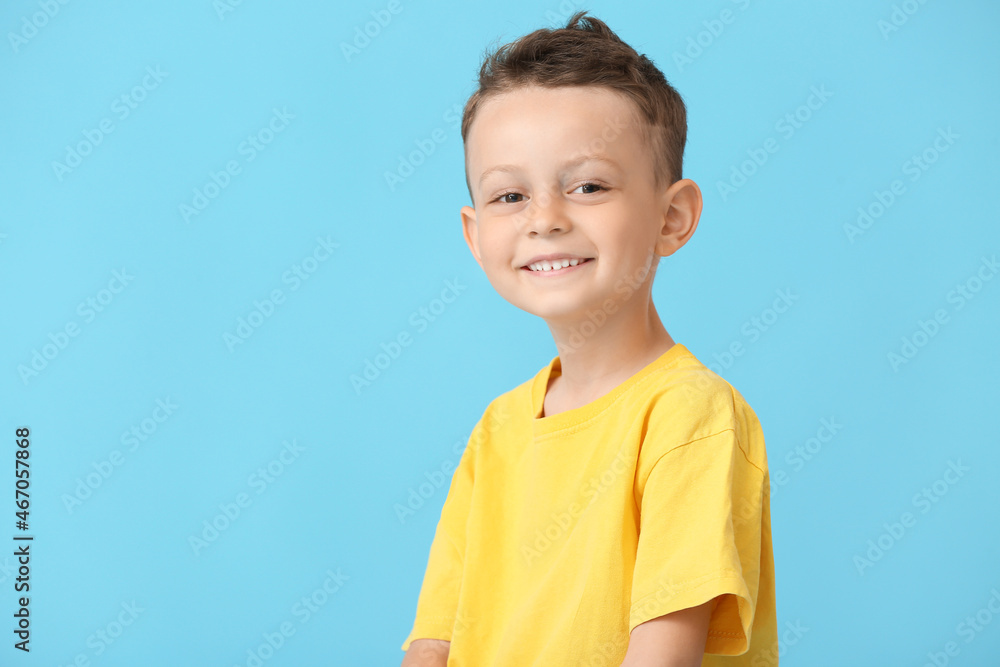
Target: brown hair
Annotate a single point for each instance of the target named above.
(588, 53)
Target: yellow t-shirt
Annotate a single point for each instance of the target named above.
(561, 534)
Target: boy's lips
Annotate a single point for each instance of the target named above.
(552, 257)
(561, 271)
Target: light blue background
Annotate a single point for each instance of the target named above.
(323, 175)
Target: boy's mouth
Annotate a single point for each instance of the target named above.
(555, 266)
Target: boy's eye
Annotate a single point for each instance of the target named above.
(503, 198)
(591, 185)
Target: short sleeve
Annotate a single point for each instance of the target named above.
(437, 605)
(700, 533)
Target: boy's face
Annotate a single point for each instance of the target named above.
(566, 170)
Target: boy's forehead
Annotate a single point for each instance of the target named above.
(571, 116)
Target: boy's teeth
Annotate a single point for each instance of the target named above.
(546, 265)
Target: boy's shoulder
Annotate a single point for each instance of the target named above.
(688, 392)
(690, 402)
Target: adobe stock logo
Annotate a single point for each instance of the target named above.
(786, 126)
(923, 500)
(30, 28)
(560, 525)
(914, 167)
(899, 17)
(223, 7)
(105, 468)
(295, 276)
(122, 107)
(60, 339)
(969, 628)
(768, 656)
(304, 609)
(926, 330)
(425, 147)
(753, 329)
(627, 286)
(798, 457)
(372, 29)
(714, 28)
(420, 320)
(249, 148)
(441, 476)
(229, 512)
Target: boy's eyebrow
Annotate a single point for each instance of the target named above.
(509, 168)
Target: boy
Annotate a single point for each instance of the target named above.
(614, 509)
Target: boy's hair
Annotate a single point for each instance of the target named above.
(588, 53)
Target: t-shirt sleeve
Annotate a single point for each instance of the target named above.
(700, 534)
(438, 602)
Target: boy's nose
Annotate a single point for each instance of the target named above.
(544, 215)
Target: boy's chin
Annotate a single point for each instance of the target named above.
(559, 314)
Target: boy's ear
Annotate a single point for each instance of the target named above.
(471, 231)
(681, 211)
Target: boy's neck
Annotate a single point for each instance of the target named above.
(592, 366)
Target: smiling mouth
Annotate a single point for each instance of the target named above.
(555, 266)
